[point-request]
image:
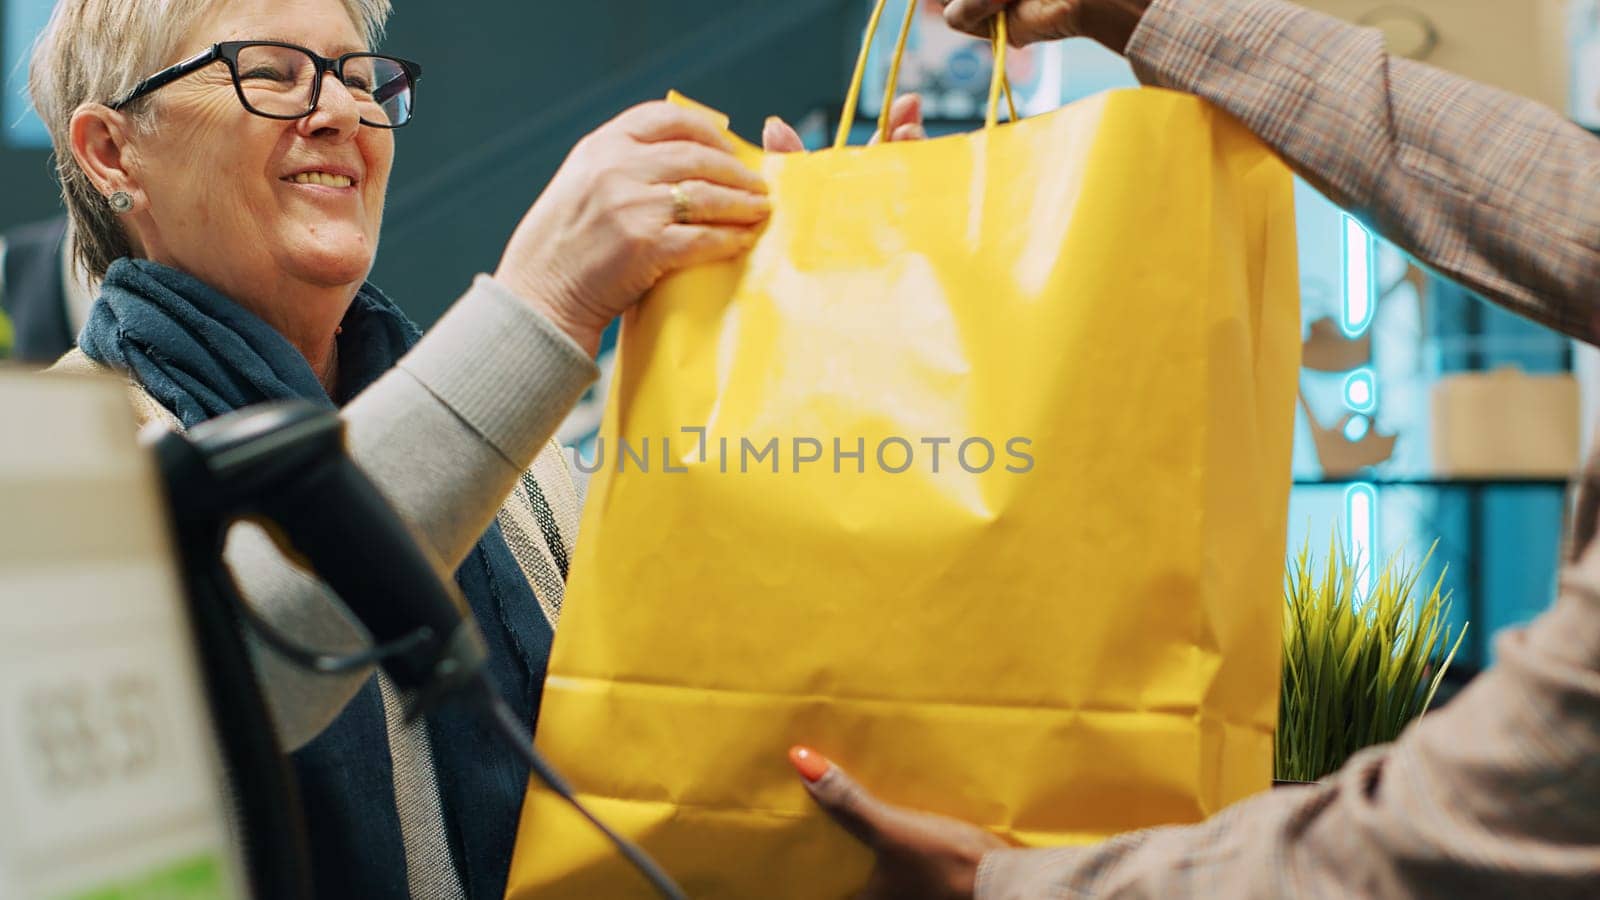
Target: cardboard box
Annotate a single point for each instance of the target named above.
(1505, 424)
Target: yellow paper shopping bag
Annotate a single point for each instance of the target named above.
(973, 476)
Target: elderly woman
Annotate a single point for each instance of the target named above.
(225, 166)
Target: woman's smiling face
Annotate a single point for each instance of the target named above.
(241, 201)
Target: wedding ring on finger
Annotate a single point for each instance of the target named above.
(682, 208)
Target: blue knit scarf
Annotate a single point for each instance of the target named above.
(202, 355)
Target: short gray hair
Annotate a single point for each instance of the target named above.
(95, 51)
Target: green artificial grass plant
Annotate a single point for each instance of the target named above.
(1356, 670)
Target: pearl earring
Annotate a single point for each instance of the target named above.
(121, 202)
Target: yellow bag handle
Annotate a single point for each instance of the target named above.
(998, 85)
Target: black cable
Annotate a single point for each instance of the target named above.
(517, 735)
(321, 661)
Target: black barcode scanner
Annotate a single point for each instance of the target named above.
(283, 465)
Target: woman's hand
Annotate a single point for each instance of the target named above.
(1111, 22)
(610, 225)
(919, 855)
(905, 124)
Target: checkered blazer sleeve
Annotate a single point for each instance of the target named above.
(1497, 192)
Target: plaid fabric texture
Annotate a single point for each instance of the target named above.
(1498, 794)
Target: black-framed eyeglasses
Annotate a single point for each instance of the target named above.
(283, 81)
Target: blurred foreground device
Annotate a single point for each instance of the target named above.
(120, 676)
(110, 783)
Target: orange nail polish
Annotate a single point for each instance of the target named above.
(811, 764)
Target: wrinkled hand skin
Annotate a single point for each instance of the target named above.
(605, 230)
